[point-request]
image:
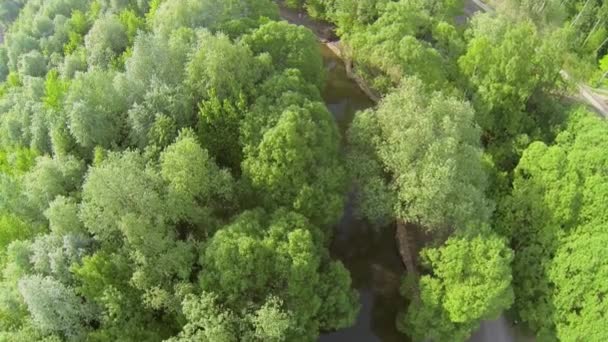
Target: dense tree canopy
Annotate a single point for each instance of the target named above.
(508, 62)
(470, 282)
(556, 199)
(153, 152)
(169, 170)
(418, 158)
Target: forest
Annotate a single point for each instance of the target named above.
(170, 170)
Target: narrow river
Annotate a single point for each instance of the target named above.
(370, 254)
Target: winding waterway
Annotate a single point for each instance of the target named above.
(370, 254)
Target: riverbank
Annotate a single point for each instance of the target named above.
(326, 35)
(369, 253)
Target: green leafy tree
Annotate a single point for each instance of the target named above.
(106, 40)
(96, 110)
(390, 45)
(579, 275)
(197, 186)
(289, 46)
(470, 281)
(210, 14)
(123, 205)
(32, 63)
(103, 278)
(557, 190)
(52, 177)
(221, 68)
(261, 256)
(417, 158)
(296, 163)
(506, 63)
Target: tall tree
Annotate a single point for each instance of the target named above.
(289, 46)
(96, 110)
(506, 63)
(417, 160)
(293, 160)
(281, 255)
(469, 281)
(557, 191)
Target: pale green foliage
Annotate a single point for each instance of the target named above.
(63, 216)
(19, 44)
(106, 40)
(53, 254)
(73, 63)
(157, 58)
(196, 184)
(54, 307)
(418, 158)
(543, 13)
(121, 185)
(470, 282)
(96, 110)
(32, 63)
(270, 322)
(350, 14)
(211, 14)
(123, 204)
(156, 118)
(221, 68)
(52, 177)
(9, 10)
(153, 81)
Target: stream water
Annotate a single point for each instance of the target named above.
(369, 253)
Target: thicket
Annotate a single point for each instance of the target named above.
(168, 170)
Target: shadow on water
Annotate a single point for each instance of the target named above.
(369, 254)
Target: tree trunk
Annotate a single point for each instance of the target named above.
(597, 23)
(406, 249)
(580, 13)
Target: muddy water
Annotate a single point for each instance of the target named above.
(370, 254)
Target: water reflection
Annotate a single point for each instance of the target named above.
(370, 254)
